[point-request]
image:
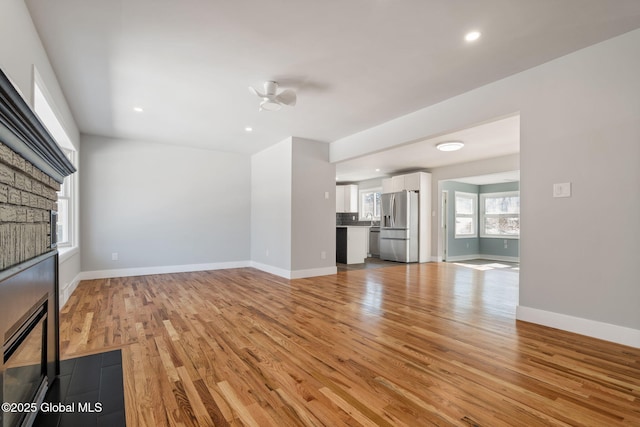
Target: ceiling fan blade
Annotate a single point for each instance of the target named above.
(256, 93)
(287, 97)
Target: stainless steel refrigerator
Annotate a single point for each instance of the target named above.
(399, 226)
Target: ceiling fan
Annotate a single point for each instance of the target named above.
(271, 100)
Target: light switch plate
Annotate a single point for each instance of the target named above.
(562, 189)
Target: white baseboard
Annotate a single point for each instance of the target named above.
(67, 290)
(145, 271)
(483, 256)
(271, 269)
(294, 274)
(578, 325)
(313, 272)
(501, 258)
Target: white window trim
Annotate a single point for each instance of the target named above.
(473, 196)
(71, 196)
(483, 197)
(361, 216)
(61, 137)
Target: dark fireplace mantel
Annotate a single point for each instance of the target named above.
(22, 131)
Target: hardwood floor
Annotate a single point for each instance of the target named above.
(414, 345)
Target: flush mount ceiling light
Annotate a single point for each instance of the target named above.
(248, 129)
(450, 146)
(138, 109)
(472, 36)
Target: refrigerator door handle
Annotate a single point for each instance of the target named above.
(393, 210)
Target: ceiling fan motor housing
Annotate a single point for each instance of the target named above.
(270, 88)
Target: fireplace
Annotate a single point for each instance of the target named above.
(25, 368)
(28, 319)
(32, 168)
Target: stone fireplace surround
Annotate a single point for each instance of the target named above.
(32, 168)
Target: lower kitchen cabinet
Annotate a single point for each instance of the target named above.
(351, 244)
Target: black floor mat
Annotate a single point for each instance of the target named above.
(89, 392)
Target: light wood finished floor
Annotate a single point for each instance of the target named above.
(417, 345)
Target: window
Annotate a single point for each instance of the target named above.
(370, 204)
(500, 215)
(67, 223)
(466, 208)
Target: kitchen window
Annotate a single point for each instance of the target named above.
(500, 215)
(370, 204)
(466, 209)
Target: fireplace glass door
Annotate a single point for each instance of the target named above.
(25, 367)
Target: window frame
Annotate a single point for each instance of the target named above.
(361, 195)
(46, 110)
(473, 216)
(67, 193)
(484, 215)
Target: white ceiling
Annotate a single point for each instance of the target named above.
(484, 141)
(354, 63)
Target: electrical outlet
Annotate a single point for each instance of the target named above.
(266, 252)
(114, 256)
(505, 244)
(323, 255)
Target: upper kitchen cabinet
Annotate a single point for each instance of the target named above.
(410, 182)
(347, 198)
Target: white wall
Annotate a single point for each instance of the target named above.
(292, 222)
(271, 208)
(313, 215)
(21, 50)
(162, 205)
(579, 124)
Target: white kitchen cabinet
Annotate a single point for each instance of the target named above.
(352, 244)
(357, 244)
(347, 198)
(397, 183)
(387, 186)
(340, 198)
(412, 182)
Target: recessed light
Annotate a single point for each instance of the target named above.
(138, 109)
(378, 170)
(472, 36)
(248, 129)
(450, 146)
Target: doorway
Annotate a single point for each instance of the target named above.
(480, 218)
